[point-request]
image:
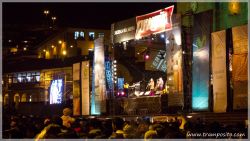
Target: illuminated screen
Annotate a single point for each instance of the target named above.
(56, 91)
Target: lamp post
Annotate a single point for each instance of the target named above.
(53, 21)
(46, 12)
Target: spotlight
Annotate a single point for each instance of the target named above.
(146, 57)
(162, 35)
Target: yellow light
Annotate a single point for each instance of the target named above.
(24, 48)
(52, 46)
(44, 50)
(71, 46)
(60, 42)
(64, 52)
(234, 7)
(46, 12)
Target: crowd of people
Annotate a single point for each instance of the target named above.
(68, 127)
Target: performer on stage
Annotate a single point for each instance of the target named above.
(151, 86)
(159, 85)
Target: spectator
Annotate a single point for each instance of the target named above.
(67, 119)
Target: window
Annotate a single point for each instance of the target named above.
(76, 36)
(100, 35)
(79, 35)
(91, 35)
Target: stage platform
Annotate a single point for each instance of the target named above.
(147, 105)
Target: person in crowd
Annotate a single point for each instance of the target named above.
(94, 129)
(67, 119)
(14, 132)
(117, 125)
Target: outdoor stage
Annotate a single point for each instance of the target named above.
(147, 105)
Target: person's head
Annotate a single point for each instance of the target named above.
(67, 111)
(117, 123)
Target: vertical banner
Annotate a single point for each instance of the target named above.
(108, 71)
(76, 89)
(200, 68)
(240, 67)
(219, 71)
(85, 87)
(98, 98)
(173, 59)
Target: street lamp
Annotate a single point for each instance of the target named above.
(53, 19)
(46, 12)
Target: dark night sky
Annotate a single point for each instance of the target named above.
(24, 21)
(76, 14)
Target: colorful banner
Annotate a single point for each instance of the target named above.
(98, 101)
(76, 89)
(200, 68)
(85, 88)
(108, 70)
(155, 22)
(219, 71)
(240, 67)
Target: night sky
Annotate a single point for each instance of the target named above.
(77, 14)
(24, 21)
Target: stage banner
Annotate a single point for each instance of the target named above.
(85, 88)
(76, 89)
(200, 68)
(219, 71)
(98, 98)
(173, 58)
(155, 22)
(240, 67)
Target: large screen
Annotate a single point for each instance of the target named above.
(56, 91)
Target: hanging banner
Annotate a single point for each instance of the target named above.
(108, 71)
(98, 99)
(155, 22)
(85, 87)
(240, 67)
(200, 68)
(173, 59)
(76, 89)
(219, 71)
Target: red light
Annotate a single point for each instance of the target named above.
(122, 93)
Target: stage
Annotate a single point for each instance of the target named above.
(147, 105)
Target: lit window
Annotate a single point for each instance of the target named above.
(91, 35)
(82, 34)
(76, 35)
(100, 35)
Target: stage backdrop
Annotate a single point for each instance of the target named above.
(200, 67)
(85, 87)
(98, 98)
(219, 71)
(240, 67)
(76, 89)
